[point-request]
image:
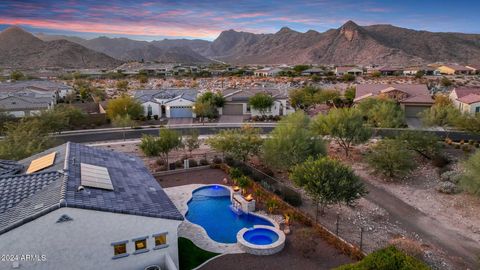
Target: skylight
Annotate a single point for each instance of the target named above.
(41, 163)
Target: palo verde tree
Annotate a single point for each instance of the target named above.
(149, 146)
(328, 181)
(382, 112)
(124, 105)
(344, 125)
(292, 142)
(261, 102)
(207, 105)
(123, 121)
(238, 143)
(167, 141)
(191, 142)
(391, 158)
(442, 114)
(424, 143)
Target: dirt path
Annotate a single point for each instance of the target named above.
(462, 250)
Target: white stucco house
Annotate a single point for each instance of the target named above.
(466, 99)
(237, 102)
(267, 72)
(79, 207)
(169, 103)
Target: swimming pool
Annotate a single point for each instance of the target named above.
(210, 208)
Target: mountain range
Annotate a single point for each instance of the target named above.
(349, 44)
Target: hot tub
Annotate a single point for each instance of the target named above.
(261, 240)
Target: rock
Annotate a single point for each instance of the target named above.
(447, 188)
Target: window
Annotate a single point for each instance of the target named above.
(119, 249)
(140, 245)
(477, 109)
(248, 107)
(160, 240)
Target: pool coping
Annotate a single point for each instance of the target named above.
(269, 249)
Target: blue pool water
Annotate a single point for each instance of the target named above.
(260, 236)
(210, 208)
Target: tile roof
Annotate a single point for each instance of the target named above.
(245, 94)
(464, 91)
(417, 93)
(470, 99)
(346, 69)
(25, 197)
(457, 67)
(9, 167)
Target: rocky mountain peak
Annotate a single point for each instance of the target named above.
(350, 30)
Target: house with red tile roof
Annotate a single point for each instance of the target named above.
(413, 98)
(466, 99)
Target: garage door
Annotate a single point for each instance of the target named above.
(232, 109)
(179, 112)
(413, 111)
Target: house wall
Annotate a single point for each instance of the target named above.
(156, 110)
(85, 242)
(468, 108)
(453, 97)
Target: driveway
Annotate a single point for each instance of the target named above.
(180, 121)
(231, 119)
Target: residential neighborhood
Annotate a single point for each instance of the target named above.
(224, 135)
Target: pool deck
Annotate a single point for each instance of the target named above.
(180, 195)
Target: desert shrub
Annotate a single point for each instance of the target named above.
(229, 160)
(155, 116)
(160, 162)
(149, 117)
(410, 247)
(291, 197)
(447, 188)
(450, 176)
(178, 164)
(272, 205)
(389, 258)
(203, 162)
(192, 162)
(235, 173)
(217, 160)
(390, 158)
(470, 180)
(466, 148)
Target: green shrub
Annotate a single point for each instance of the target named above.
(470, 180)
(388, 258)
(235, 173)
(178, 164)
(203, 162)
(192, 162)
(391, 158)
(217, 160)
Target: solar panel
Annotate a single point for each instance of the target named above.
(41, 163)
(95, 176)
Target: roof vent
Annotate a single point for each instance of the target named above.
(80, 188)
(152, 189)
(64, 218)
(38, 206)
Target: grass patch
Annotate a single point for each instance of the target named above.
(389, 258)
(191, 256)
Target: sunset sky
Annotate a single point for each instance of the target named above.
(150, 20)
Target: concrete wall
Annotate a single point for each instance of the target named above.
(85, 242)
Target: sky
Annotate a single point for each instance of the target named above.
(154, 20)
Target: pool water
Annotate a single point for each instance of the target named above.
(210, 208)
(260, 236)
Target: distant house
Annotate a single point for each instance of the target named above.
(27, 98)
(169, 103)
(340, 71)
(413, 98)
(236, 102)
(466, 99)
(267, 72)
(390, 71)
(475, 68)
(454, 69)
(412, 71)
(313, 71)
(80, 207)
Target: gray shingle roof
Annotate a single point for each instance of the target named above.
(169, 94)
(25, 197)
